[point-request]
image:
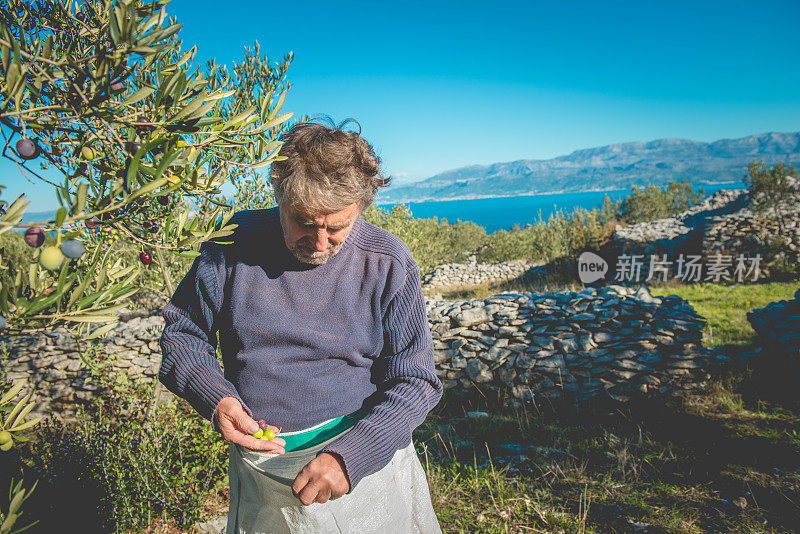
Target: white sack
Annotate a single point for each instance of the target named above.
(395, 500)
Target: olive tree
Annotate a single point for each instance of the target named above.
(104, 94)
(101, 100)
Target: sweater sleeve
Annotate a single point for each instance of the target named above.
(189, 367)
(407, 382)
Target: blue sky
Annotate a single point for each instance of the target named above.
(439, 85)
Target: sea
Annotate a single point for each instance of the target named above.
(503, 213)
(500, 213)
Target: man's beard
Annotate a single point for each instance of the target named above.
(307, 254)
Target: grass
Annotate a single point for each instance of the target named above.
(678, 465)
(726, 459)
(725, 307)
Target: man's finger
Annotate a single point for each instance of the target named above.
(336, 493)
(236, 435)
(323, 495)
(301, 480)
(277, 441)
(309, 493)
(244, 422)
(259, 444)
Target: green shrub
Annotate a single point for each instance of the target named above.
(435, 241)
(432, 241)
(562, 235)
(652, 202)
(15, 251)
(769, 187)
(113, 470)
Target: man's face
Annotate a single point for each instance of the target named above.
(315, 238)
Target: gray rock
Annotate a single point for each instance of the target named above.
(472, 317)
(479, 371)
(683, 364)
(458, 361)
(630, 365)
(602, 337)
(553, 362)
(568, 345)
(496, 354)
(216, 525)
(525, 361)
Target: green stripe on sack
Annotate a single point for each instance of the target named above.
(309, 438)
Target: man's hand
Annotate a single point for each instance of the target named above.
(236, 426)
(321, 479)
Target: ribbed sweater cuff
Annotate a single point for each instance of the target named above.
(360, 453)
(205, 390)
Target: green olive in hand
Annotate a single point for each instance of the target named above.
(258, 433)
(268, 435)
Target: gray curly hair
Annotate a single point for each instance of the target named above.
(326, 168)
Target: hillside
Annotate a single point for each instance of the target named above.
(617, 166)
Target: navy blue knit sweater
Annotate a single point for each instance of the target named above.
(301, 343)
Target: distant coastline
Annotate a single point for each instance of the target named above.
(503, 212)
(379, 202)
(479, 197)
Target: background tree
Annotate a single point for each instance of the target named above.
(771, 188)
(774, 194)
(431, 241)
(652, 202)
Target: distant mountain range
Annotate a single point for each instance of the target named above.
(610, 167)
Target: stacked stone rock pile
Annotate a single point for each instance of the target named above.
(473, 273)
(778, 326)
(52, 362)
(673, 233)
(614, 341)
(774, 235)
(144, 303)
(723, 224)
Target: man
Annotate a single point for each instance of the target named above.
(324, 335)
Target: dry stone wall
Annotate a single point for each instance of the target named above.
(570, 346)
(778, 324)
(773, 235)
(777, 327)
(679, 232)
(723, 224)
(774, 359)
(611, 341)
(53, 362)
(473, 273)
